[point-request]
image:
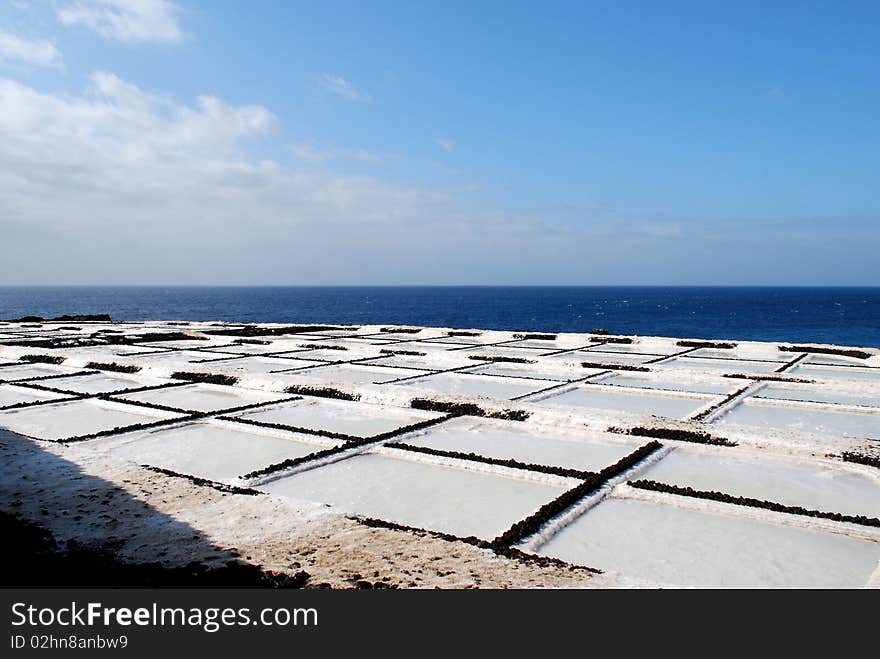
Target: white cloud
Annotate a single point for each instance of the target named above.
(37, 52)
(130, 21)
(342, 88)
(120, 184)
(444, 144)
(317, 154)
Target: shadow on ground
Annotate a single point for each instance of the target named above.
(39, 549)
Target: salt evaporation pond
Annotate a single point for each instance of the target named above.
(798, 444)
(245, 348)
(509, 441)
(462, 340)
(334, 416)
(185, 344)
(433, 497)
(835, 373)
(331, 355)
(12, 395)
(680, 547)
(541, 344)
(676, 407)
(261, 365)
(803, 419)
(437, 361)
(528, 371)
(752, 355)
(102, 383)
(183, 360)
(501, 351)
(25, 371)
(814, 487)
(817, 395)
(202, 397)
(834, 360)
(606, 357)
(630, 349)
(669, 384)
(718, 365)
(80, 417)
(477, 385)
(352, 374)
(219, 453)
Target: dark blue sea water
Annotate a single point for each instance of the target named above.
(848, 316)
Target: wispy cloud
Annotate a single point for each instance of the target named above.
(129, 21)
(443, 143)
(342, 88)
(36, 52)
(170, 192)
(316, 154)
(115, 161)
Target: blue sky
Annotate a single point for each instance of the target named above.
(448, 143)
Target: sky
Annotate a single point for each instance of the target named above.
(495, 143)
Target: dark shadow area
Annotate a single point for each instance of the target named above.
(64, 528)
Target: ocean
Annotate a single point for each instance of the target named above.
(849, 316)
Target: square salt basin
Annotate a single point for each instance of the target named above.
(26, 371)
(605, 357)
(331, 355)
(509, 441)
(175, 360)
(718, 365)
(89, 354)
(352, 374)
(430, 361)
(545, 345)
(502, 351)
(658, 349)
(834, 360)
(669, 384)
(203, 397)
(339, 416)
(289, 345)
(103, 383)
(529, 371)
(831, 373)
(405, 491)
(631, 349)
(216, 452)
(75, 418)
(462, 384)
(464, 340)
(673, 546)
(124, 351)
(816, 395)
(243, 366)
(815, 487)
(608, 398)
(336, 332)
(350, 341)
(244, 348)
(12, 395)
(803, 418)
(197, 344)
(435, 346)
(757, 354)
